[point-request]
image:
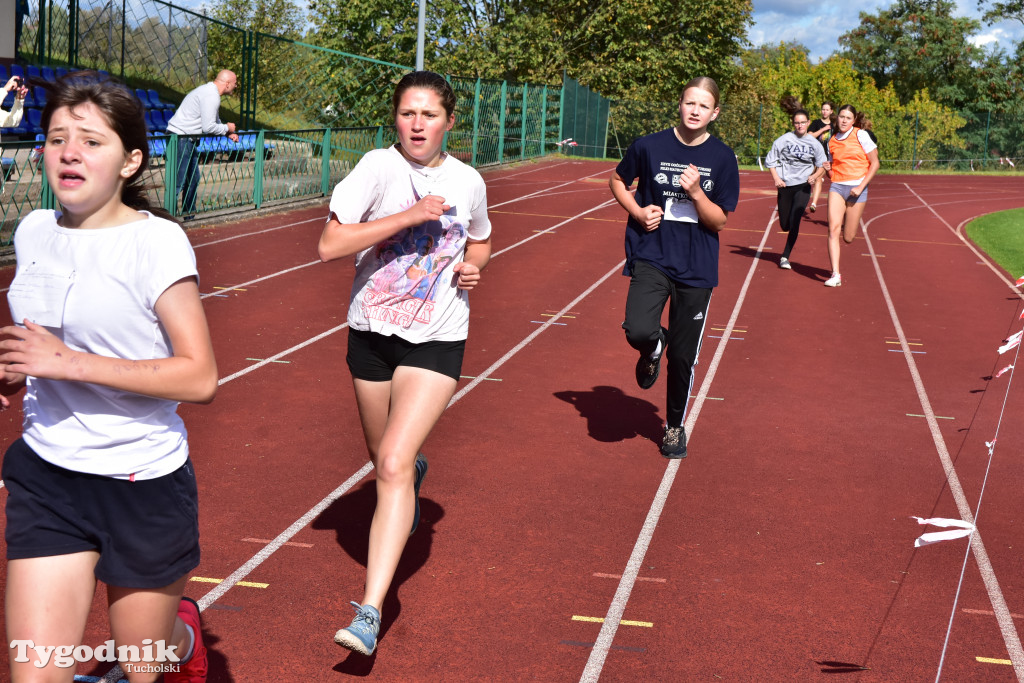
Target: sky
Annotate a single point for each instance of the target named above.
(818, 25)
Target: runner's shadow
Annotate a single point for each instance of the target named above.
(811, 272)
(612, 415)
(350, 518)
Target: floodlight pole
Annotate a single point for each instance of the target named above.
(419, 35)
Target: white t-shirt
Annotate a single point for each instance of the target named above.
(406, 286)
(96, 290)
(866, 142)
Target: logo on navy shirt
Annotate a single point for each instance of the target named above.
(708, 185)
(661, 179)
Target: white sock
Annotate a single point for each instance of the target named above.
(191, 644)
(657, 351)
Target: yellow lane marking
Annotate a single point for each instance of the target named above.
(237, 289)
(908, 343)
(937, 417)
(247, 584)
(989, 660)
(639, 578)
(624, 622)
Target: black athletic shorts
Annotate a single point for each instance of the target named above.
(146, 531)
(373, 357)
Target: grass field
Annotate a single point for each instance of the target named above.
(1001, 236)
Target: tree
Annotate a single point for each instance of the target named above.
(916, 44)
(994, 12)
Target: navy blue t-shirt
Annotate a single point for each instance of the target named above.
(686, 252)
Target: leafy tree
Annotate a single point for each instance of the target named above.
(994, 12)
(916, 44)
(920, 128)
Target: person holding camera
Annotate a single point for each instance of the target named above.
(198, 115)
(13, 117)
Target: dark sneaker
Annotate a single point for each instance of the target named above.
(361, 635)
(194, 670)
(673, 444)
(647, 368)
(421, 471)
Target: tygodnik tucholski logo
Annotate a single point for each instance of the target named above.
(152, 657)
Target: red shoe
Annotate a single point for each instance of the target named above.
(194, 670)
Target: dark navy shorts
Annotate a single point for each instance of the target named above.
(145, 531)
(373, 357)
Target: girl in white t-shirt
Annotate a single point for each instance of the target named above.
(110, 336)
(416, 221)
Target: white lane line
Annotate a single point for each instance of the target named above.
(995, 594)
(554, 227)
(321, 219)
(598, 654)
(261, 279)
(958, 231)
(547, 189)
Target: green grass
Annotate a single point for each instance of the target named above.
(1001, 236)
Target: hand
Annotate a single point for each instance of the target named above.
(780, 183)
(469, 275)
(690, 179)
(231, 127)
(856, 192)
(11, 84)
(34, 350)
(233, 137)
(429, 208)
(650, 217)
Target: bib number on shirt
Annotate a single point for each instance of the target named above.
(39, 294)
(681, 210)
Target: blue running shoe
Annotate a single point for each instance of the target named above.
(361, 635)
(421, 471)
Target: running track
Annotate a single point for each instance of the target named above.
(556, 543)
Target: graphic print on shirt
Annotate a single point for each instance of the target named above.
(410, 267)
(678, 205)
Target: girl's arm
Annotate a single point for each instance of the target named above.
(190, 375)
(344, 239)
(648, 216)
(711, 215)
(872, 170)
(477, 256)
(775, 178)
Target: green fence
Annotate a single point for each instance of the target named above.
(314, 111)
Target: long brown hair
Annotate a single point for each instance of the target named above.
(123, 112)
(428, 80)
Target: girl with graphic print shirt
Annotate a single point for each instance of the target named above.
(688, 182)
(405, 353)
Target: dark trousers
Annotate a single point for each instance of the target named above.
(188, 173)
(649, 289)
(792, 202)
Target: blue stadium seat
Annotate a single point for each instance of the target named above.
(4, 75)
(61, 72)
(39, 97)
(154, 97)
(32, 71)
(150, 124)
(157, 146)
(34, 119)
(143, 97)
(48, 74)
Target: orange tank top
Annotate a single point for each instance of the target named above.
(849, 160)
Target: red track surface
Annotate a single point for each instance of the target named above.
(784, 547)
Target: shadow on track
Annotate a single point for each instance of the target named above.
(612, 415)
(812, 272)
(349, 517)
